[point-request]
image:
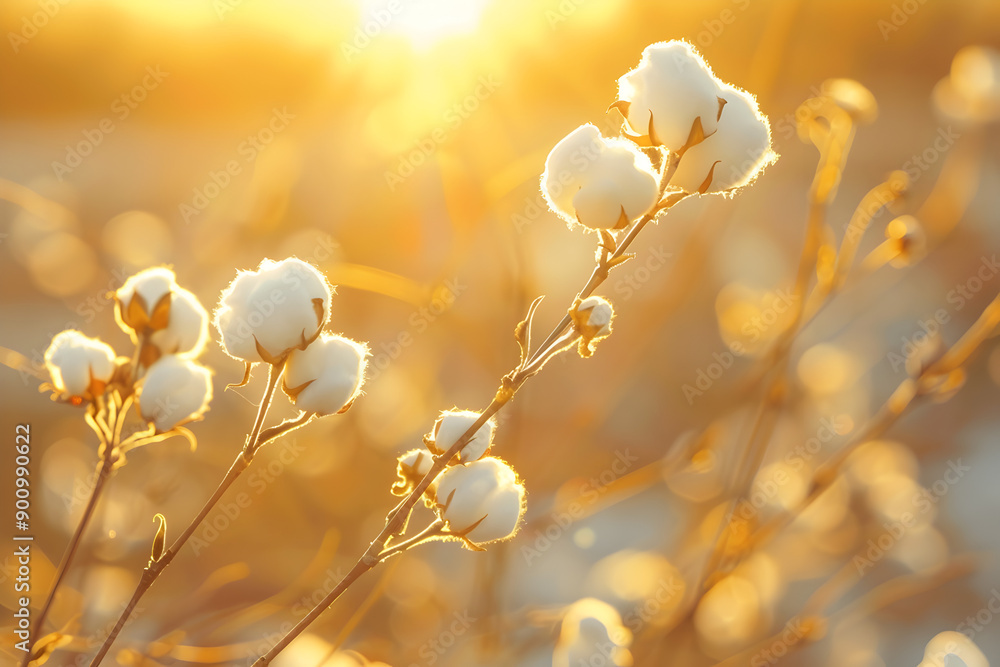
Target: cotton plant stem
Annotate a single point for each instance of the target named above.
(598, 276)
(396, 520)
(431, 531)
(833, 155)
(155, 568)
(103, 473)
(601, 271)
(898, 403)
(394, 523)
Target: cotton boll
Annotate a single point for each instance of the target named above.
(598, 182)
(79, 366)
(734, 155)
(597, 203)
(592, 319)
(187, 329)
(502, 515)
(174, 391)
(667, 92)
(138, 298)
(411, 467)
(452, 424)
(326, 377)
(166, 318)
(482, 500)
(419, 461)
(264, 314)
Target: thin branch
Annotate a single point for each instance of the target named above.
(153, 570)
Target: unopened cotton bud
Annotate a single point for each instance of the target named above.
(264, 314)
(452, 424)
(326, 377)
(79, 366)
(175, 390)
(734, 155)
(953, 648)
(482, 501)
(166, 318)
(592, 319)
(664, 96)
(599, 314)
(598, 182)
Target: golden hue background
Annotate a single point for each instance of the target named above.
(403, 160)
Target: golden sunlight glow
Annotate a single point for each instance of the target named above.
(423, 22)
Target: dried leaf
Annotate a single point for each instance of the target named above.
(707, 183)
(622, 106)
(160, 317)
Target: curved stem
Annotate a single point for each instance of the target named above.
(273, 373)
(153, 570)
(397, 518)
(431, 531)
(394, 523)
(600, 272)
(103, 473)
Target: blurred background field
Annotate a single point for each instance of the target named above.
(403, 160)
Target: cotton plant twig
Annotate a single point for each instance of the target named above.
(834, 145)
(902, 399)
(242, 461)
(106, 466)
(812, 624)
(557, 340)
